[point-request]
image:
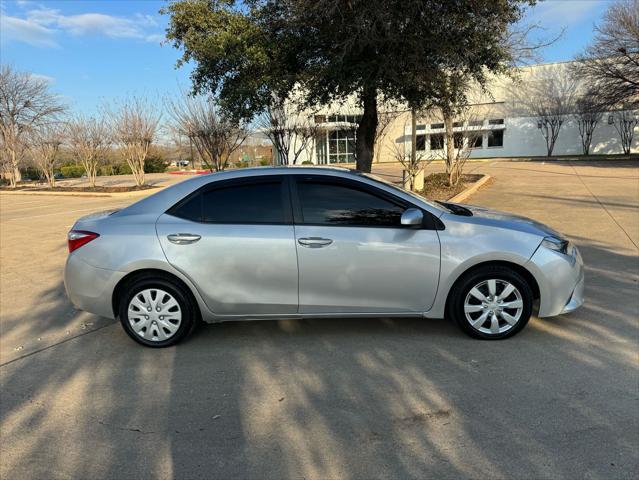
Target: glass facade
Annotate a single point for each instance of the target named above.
(337, 145)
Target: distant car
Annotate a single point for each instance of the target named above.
(58, 176)
(314, 242)
(182, 163)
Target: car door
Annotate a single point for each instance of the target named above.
(235, 241)
(354, 256)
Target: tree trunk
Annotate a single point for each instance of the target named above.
(16, 176)
(365, 146)
(450, 148)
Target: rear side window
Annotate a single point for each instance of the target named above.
(241, 203)
(334, 204)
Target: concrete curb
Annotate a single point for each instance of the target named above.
(463, 195)
(132, 194)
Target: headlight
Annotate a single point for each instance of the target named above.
(560, 245)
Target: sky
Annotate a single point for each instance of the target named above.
(96, 51)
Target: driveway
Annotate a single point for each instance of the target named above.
(331, 398)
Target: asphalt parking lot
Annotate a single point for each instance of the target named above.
(331, 398)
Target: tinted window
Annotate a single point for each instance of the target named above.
(257, 203)
(253, 203)
(189, 210)
(333, 204)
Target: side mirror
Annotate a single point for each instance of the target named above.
(412, 217)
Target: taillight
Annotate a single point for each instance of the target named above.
(77, 238)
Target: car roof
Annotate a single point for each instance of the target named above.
(164, 199)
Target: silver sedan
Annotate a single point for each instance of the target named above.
(274, 243)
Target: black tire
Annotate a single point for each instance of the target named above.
(461, 289)
(184, 299)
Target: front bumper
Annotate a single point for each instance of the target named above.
(560, 279)
(576, 299)
(90, 288)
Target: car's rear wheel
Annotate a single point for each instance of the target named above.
(156, 312)
(491, 303)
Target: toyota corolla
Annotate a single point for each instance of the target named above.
(275, 243)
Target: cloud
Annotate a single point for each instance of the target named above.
(44, 78)
(41, 25)
(26, 31)
(562, 12)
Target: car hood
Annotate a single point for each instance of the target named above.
(508, 220)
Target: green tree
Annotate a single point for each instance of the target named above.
(248, 53)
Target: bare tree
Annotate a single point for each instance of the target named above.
(588, 114)
(214, 136)
(135, 125)
(413, 163)
(625, 122)
(610, 65)
(291, 131)
(25, 104)
(460, 136)
(90, 140)
(548, 95)
(45, 144)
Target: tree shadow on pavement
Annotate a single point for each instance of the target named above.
(339, 398)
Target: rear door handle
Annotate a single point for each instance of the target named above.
(314, 242)
(183, 238)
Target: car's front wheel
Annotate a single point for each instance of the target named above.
(156, 312)
(492, 302)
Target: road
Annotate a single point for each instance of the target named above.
(331, 398)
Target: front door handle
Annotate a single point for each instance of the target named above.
(314, 242)
(183, 238)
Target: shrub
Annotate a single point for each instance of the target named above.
(30, 172)
(155, 164)
(265, 162)
(241, 164)
(307, 162)
(72, 171)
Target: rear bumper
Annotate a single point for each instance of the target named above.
(560, 279)
(90, 288)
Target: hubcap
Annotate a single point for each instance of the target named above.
(493, 306)
(154, 314)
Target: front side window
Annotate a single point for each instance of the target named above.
(257, 203)
(324, 203)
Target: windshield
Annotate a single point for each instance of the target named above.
(386, 183)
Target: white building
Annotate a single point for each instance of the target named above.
(500, 123)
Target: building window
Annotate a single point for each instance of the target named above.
(344, 118)
(477, 142)
(436, 142)
(341, 146)
(458, 139)
(496, 138)
(475, 123)
(421, 142)
(496, 121)
(458, 124)
(436, 126)
(320, 119)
